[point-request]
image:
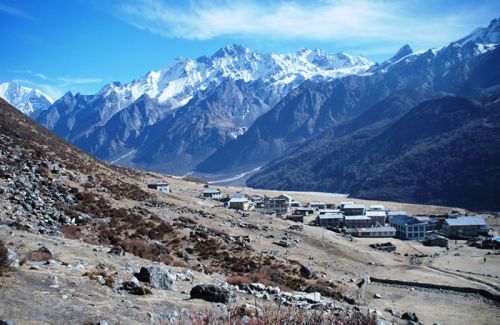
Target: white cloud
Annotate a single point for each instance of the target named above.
(32, 73)
(78, 81)
(346, 21)
(54, 88)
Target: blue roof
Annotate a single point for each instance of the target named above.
(466, 221)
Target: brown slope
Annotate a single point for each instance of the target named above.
(103, 204)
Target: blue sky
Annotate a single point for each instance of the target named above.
(80, 45)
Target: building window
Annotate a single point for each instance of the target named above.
(410, 235)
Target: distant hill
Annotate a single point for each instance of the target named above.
(443, 151)
(468, 68)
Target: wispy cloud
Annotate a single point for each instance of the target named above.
(15, 12)
(325, 20)
(53, 87)
(78, 81)
(32, 73)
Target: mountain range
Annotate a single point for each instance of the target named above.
(27, 100)
(308, 120)
(172, 119)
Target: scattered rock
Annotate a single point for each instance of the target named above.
(313, 297)
(411, 316)
(157, 276)
(257, 286)
(135, 289)
(250, 310)
(13, 258)
(306, 272)
(7, 322)
(393, 312)
(117, 251)
(210, 293)
(377, 296)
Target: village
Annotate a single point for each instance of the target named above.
(358, 220)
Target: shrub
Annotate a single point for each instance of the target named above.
(283, 316)
(40, 255)
(71, 232)
(4, 258)
(158, 232)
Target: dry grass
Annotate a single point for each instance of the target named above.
(71, 231)
(4, 258)
(281, 316)
(40, 255)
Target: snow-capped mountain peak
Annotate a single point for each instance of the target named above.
(25, 99)
(484, 35)
(178, 82)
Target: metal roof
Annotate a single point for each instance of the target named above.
(238, 200)
(159, 183)
(356, 218)
(353, 206)
(375, 213)
(405, 220)
(329, 211)
(211, 191)
(331, 215)
(376, 229)
(466, 221)
(397, 213)
(377, 207)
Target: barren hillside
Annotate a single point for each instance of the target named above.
(90, 243)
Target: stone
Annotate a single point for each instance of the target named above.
(157, 276)
(135, 289)
(313, 297)
(250, 310)
(7, 322)
(257, 286)
(411, 316)
(393, 312)
(377, 312)
(47, 253)
(13, 258)
(377, 296)
(141, 291)
(273, 290)
(210, 293)
(306, 272)
(117, 251)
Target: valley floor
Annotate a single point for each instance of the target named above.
(58, 292)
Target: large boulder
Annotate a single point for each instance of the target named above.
(157, 276)
(306, 272)
(210, 293)
(410, 316)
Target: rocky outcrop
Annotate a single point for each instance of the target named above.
(157, 276)
(211, 293)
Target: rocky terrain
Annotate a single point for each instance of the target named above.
(88, 242)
